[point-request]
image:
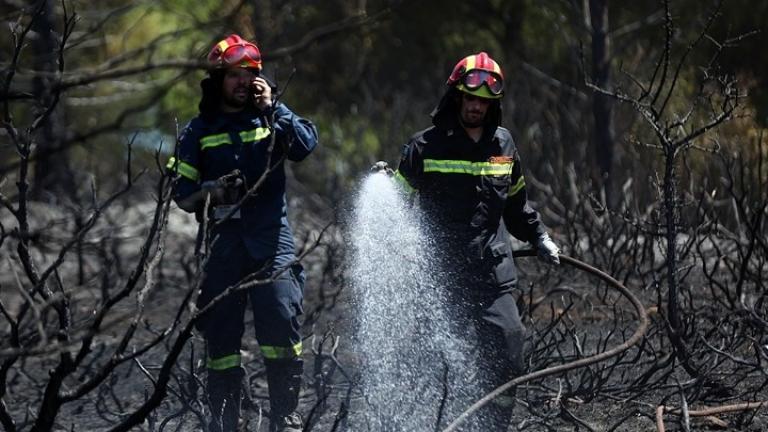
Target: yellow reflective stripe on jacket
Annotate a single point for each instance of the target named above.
(403, 182)
(254, 134)
(223, 138)
(226, 362)
(517, 187)
(214, 140)
(276, 352)
(467, 167)
(183, 169)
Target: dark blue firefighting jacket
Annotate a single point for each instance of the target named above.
(215, 145)
(468, 188)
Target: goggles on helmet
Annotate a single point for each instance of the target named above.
(245, 55)
(474, 79)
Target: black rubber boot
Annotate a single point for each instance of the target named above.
(224, 394)
(284, 379)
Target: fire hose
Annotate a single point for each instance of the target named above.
(597, 358)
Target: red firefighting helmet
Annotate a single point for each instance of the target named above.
(235, 51)
(479, 75)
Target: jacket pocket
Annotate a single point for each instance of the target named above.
(504, 273)
(495, 189)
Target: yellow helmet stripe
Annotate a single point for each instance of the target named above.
(517, 187)
(471, 61)
(223, 45)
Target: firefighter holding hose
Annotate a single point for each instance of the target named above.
(466, 172)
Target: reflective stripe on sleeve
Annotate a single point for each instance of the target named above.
(517, 187)
(277, 352)
(184, 169)
(254, 134)
(467, 167)
(226, 362)
(403, 182)
(214, 140)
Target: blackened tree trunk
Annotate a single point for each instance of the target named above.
(52, 175)
(602, 105)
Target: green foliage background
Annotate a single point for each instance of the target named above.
(369, 87)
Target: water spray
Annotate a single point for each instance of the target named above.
(411, 381)
(417, 370)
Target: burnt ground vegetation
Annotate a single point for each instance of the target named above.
(570, 315)
(100, 273)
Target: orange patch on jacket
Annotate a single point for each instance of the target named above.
(500, 159)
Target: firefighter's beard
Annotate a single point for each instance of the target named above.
(472, 118)
(237, 99)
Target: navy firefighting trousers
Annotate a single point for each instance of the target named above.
(276, 306)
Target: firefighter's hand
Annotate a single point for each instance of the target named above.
(382, 167)
(547, 249)
(215, 189)
(232, 180)
(262, 93)
(223, 190)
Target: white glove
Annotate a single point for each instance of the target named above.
(547, 249)
(382, 167)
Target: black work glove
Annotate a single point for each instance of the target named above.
(233, 185)
(225, 189)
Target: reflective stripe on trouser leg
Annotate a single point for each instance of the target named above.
(223, 363)
(222, 325)
(276, 310)
(278, 352)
